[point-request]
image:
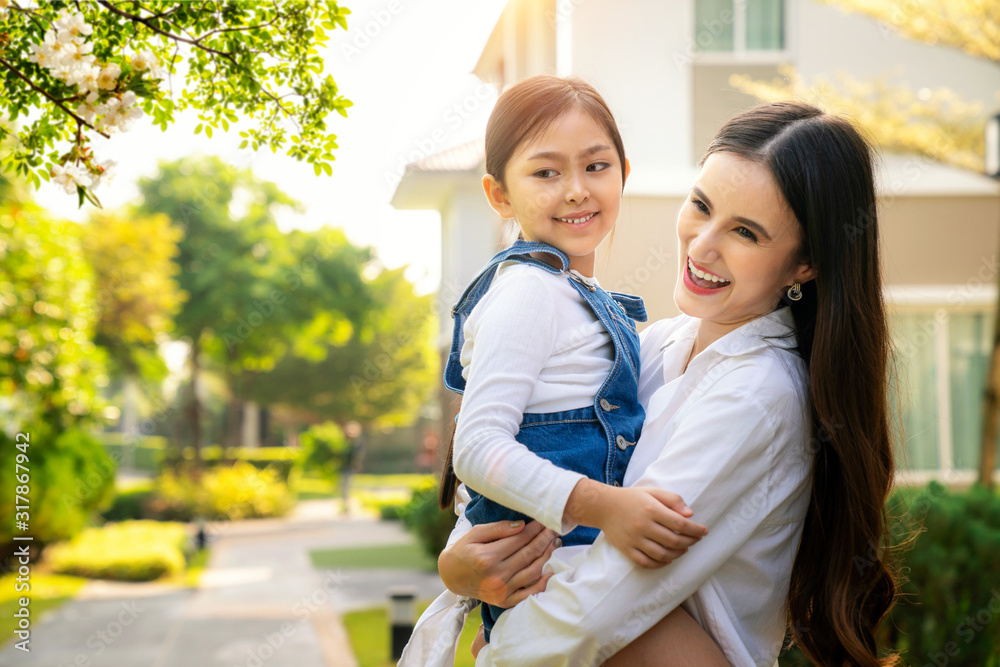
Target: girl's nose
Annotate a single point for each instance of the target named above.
(576, 189)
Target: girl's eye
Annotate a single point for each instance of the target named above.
(598, 166)
(700, 205)
(747, 234)
(545, 173)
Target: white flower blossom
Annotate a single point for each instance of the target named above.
(72, 27)
(105, 173)
(69, 176)
(87, 112)
(108, 78)
(84, 77)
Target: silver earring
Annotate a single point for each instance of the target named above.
(795, 292)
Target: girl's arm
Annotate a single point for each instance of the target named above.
(511, 334)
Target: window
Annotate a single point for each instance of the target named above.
(740, 26)
(940, 359)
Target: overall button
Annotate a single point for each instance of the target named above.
(605, 405)
(622, 442)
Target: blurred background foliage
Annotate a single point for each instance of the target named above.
(280, 333)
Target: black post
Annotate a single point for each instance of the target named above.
(402, 608)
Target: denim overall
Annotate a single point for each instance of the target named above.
(597, 440)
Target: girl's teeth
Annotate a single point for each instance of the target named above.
(576, 221)
(704, 276)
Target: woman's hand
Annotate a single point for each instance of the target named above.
(499, 563)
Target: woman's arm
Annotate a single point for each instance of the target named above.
(720, 458)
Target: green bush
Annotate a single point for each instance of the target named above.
(240, 491)
(128, 551)
(423, 518)
(948, 545)
(950, 604)
(279, 459)
(145, 454)
(69, 479)
(130, 503)
(325, 451)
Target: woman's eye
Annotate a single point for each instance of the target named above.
(747, 234)
(700, 205)
(545, 173)
(598, 166)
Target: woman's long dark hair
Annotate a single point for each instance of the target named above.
(841, 584)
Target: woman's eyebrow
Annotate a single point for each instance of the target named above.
(746, 222)
(552, 155)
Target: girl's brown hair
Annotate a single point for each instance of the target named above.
(527, 108)
(841, 583)
(521, 113)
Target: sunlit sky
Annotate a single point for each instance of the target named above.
(404, 64)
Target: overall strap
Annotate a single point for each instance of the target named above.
(519, 252)
(632, 304)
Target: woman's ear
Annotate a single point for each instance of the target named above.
(496, 196)
(805, 273)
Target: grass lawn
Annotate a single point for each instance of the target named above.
(399, 556)
(368, 631)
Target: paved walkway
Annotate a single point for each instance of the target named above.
(260, 602)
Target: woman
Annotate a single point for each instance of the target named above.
(766, 411)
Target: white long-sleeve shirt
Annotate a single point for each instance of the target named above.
(532, 345)
(731, 436)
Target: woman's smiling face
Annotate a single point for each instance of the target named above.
(739, 244)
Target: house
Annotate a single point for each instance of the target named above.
(664, 68)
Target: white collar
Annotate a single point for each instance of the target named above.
(775, 329)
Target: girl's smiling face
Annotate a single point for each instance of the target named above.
(564, 187)
(739, 244)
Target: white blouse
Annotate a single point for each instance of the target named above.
(532, 344)
(731, 436)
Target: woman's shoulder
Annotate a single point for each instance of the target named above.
(657, 333)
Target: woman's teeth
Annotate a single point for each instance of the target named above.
(704, 275)
(576, 221)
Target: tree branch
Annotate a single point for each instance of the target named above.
(54, 100)
(194, 42)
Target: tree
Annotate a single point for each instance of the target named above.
(76, 69)
(938, 125)
(252, 291)
(137, 296)
(50, 372)
(378, 377)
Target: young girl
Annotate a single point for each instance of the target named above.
(547, 360)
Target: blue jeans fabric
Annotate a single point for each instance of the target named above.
(596, 440)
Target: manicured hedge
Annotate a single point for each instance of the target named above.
(127, 551)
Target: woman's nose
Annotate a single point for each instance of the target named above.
(704, 246)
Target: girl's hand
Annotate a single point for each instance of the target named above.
(649, 525)
(499, 563)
